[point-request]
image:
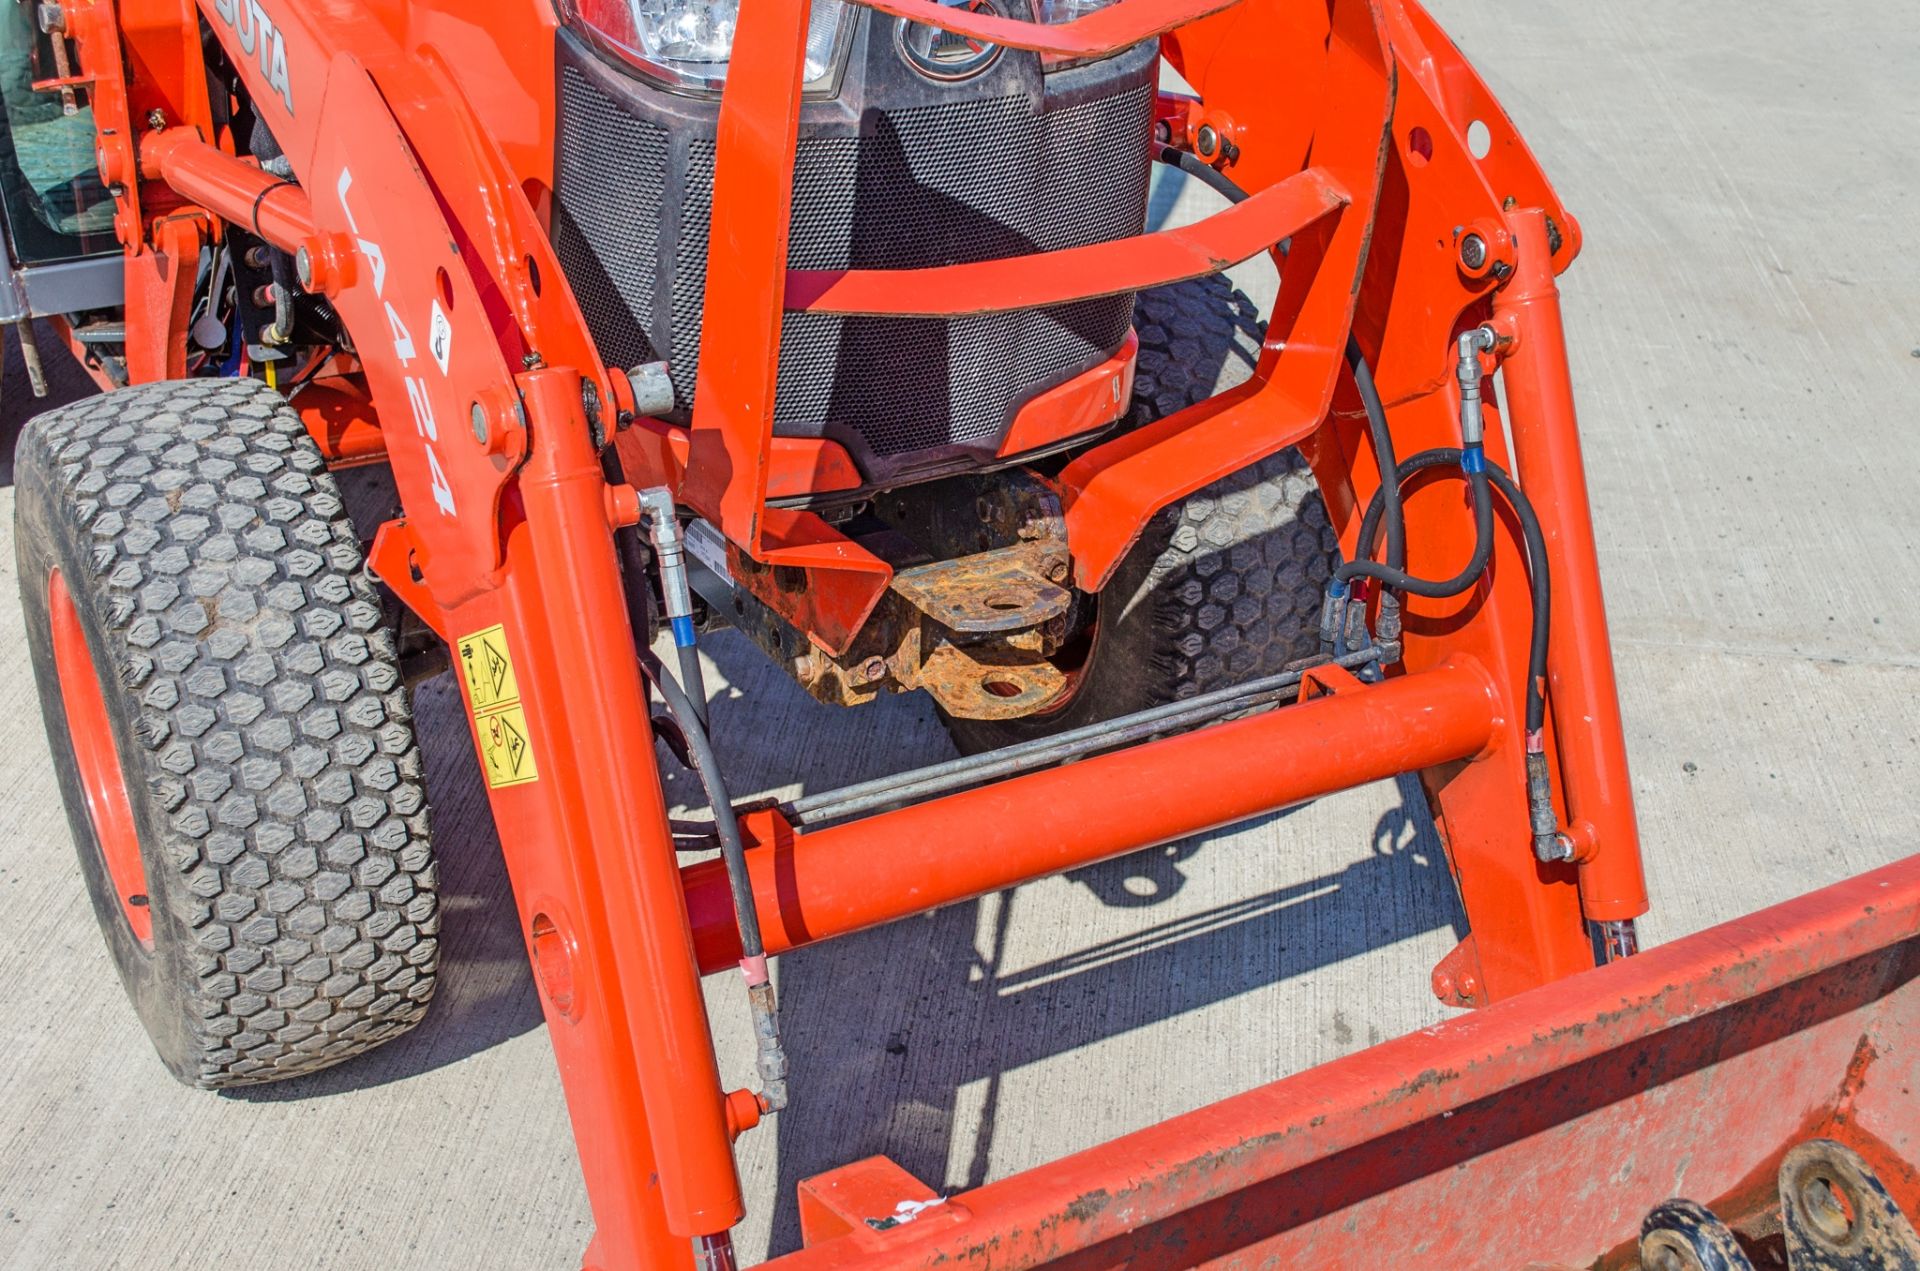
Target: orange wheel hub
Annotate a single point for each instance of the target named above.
(97, 761)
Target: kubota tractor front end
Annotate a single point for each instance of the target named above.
(842, 324)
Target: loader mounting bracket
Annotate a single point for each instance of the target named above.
(1835, 1215)
(1838, 1216)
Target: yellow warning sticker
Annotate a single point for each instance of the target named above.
(503, 745)
(506, 747)
(488, 666)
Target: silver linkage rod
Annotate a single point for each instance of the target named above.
(922, 783)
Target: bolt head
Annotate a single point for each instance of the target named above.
(303, 268)
(1473, 252)
(874, 669)
(480, 423)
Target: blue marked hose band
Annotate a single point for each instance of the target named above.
(683, 632)
(1473, 460)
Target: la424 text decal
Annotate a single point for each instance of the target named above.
(403, 350)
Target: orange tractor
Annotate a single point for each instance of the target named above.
(516, 339)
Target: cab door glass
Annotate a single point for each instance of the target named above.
(56, 208)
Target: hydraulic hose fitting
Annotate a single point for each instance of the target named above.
(770, 1056)
(1386, 633)
(1332, 610)
(1473, 343)
(1355, 635)
(1548, 843)
(670, 551)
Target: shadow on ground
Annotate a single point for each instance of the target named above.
(973, 1019)
(958, 1014)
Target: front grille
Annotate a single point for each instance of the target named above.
(919, 186)
(614, 172)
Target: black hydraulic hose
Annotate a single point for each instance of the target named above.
(726, 825)
(1537, 571)
(1200, 170)
(630, 548)
(1382, 452)
(693, 676)
(1401, 580)
(1227, 188)
(1548, 843)
(1393, 576)
(771, 1057)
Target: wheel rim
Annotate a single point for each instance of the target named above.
(97, 762)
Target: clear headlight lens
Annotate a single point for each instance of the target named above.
(688, 42)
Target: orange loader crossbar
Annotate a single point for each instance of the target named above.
(421, 204)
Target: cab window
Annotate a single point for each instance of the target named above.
(56, 208)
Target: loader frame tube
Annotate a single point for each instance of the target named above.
(847, 878)
(1586, 704)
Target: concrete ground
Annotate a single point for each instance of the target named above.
(1746, 339)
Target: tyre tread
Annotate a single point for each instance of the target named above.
(275, 729)
(1223, 585)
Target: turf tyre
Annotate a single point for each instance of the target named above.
(260, 721)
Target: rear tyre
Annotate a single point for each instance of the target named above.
(228, 722)
(1224, 585)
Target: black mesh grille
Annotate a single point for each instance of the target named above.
(607, 217)
(690, 271)
(945, 184)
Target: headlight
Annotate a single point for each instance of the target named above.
(687, 42)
